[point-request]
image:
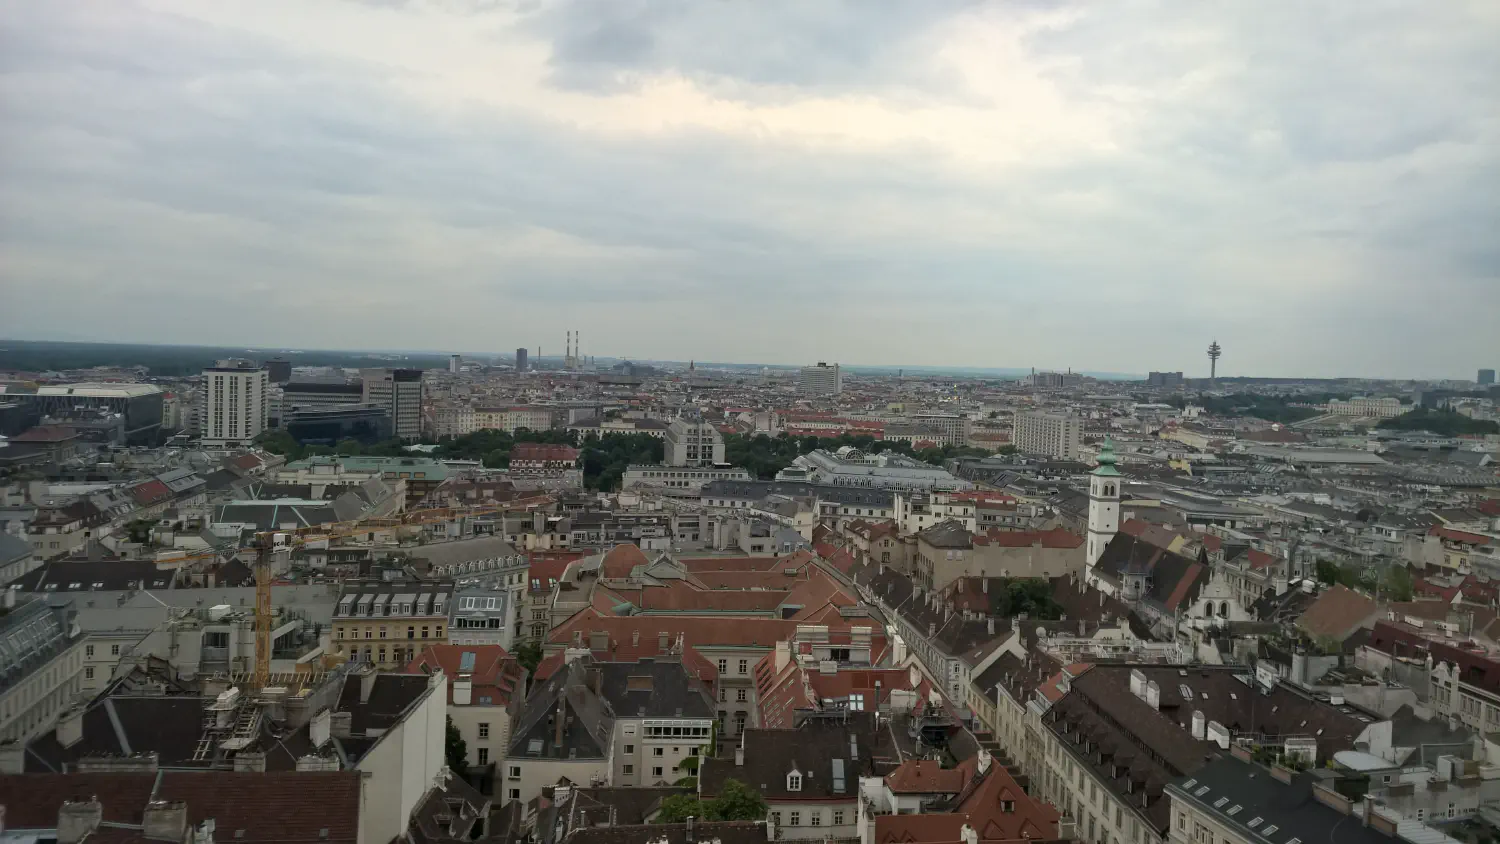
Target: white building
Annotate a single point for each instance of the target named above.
(691, 442)
(888, 470)
(821, 380)
(1367, 406)
(952, 428)
(234, 403)
(1053, 434)
(679, 481)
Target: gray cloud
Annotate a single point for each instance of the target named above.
(189, 181)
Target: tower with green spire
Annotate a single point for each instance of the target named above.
(1104, 502)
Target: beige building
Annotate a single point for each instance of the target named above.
(41, 657)
(949, 551)
(1053, 434)
(535, 418)
(693, 442)
(388, 623)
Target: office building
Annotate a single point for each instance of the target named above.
(279, 370)
(140, 404)
(234, 403)
(321, 395)
(1486, 377)
(821, 380)
(455, 363)
(1053, 434)
(1164, 379)
(521, 360)
(331, 425)
(951, 428)
(693, 442)
(1053, 380)
(400, 390)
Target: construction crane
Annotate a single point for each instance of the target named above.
(265, 542)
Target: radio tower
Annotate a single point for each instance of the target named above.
(1213, 360)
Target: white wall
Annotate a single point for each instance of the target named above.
(403, 765)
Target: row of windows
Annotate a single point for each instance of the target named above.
(338, 633)
(814, 818)
(744, 666)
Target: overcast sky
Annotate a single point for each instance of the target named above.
(1106, 186)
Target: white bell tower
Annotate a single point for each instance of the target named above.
(1104, 503)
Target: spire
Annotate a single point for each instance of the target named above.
(1107, 459)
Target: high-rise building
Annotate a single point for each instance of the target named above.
(399, 390)
(1053, 434)
(279, 370)
(1486, 377)
(234, 403)
(1164, 379)
(821, 380)
(455, 362)
(520, 360)
(693, 442)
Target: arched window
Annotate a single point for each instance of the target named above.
(1208, 609)
(1109, 489)
(1224, 609)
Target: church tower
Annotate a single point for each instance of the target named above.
(1104, 503)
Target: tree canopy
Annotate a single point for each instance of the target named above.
(765, 455)
(1444, 423)
(736, 802)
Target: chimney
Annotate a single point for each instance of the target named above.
(77, 819)
(559, 721)
(367, 683)
(635, 638)
(166, 819)
(661, 641)
(984, 585)
(783, 655)
(596, 680)
(739, 755)
(690, 829)
(341, 724)
(250, 762)
(931, 629)
(318, 728)
(1200, 724)
(70, 726)
(991, 626)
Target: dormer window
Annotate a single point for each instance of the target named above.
(794, 781)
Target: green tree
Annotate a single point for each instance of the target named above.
(736, 802)
(348, 448)
(529, 654)
(139, 530)
(455, 749)
(679, 807)
(1445, 423)
(1396, 584)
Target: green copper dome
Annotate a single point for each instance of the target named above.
(1107, 459)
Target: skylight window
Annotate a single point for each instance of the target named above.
(1188, 786)
(1254, 822)
(1235, 810)
(1219, 804)
(1187, 693)
(1267, 832)
(1201, 791)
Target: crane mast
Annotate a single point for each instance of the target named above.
(262, 613)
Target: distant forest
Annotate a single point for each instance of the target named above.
(178, 361)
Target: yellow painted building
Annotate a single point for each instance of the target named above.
(388, 623)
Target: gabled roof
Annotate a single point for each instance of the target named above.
(494, 673)
(1337, 613)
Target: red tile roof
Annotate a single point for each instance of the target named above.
(1337, 612)
(621, 559)
(1054, 538)
(982, 807)
(286, 807)
(150, 492)
(1260, 559)
(922, 776)
(496, 674)
(1460, 536)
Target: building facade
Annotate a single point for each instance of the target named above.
(1053, 434)
(821, 380)
(400, 390)
(234, 403)
(41, 662)
(693, 442)
(387, 623)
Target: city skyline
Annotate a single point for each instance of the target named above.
(946, 185)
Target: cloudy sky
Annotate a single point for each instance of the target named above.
(1106, 186)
